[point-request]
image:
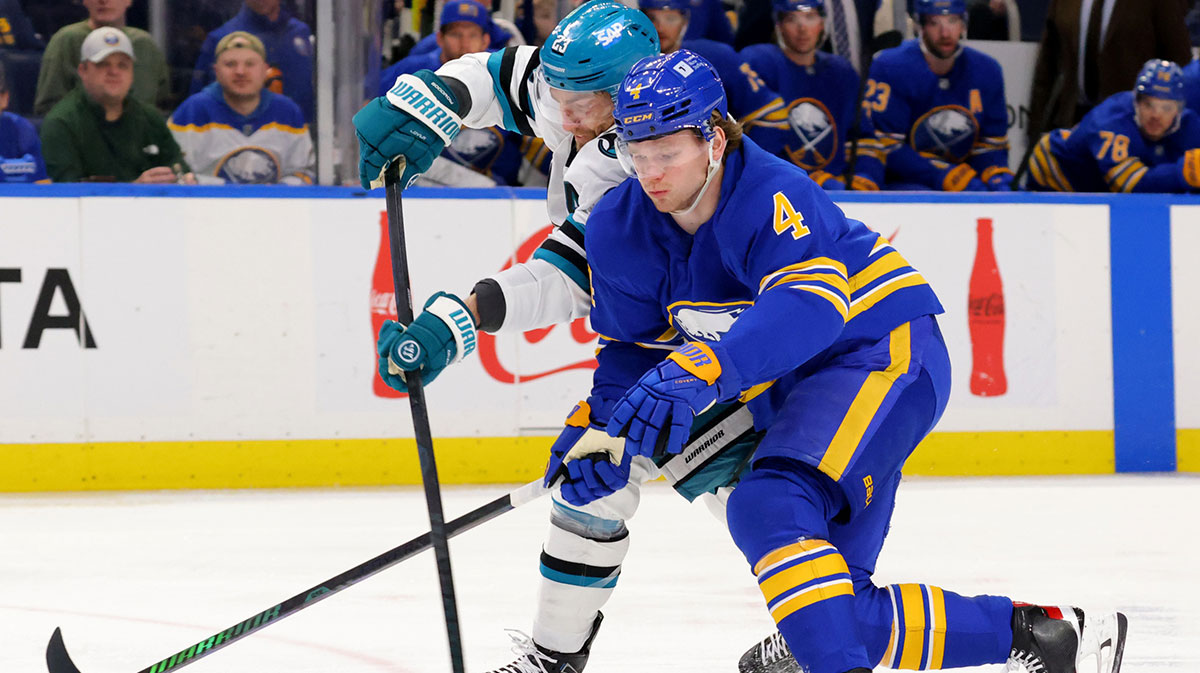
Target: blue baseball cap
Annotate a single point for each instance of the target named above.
(466, 10)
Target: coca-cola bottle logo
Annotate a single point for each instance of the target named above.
(488, 352)
(988, 306)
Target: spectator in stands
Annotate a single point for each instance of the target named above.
(820, 92)
(465, 28)
(151, 79)
(939, 107)
(20, 149)
(1112, 39)
(100, 132)
(237, 131)
(1143, 140)
(16, 30)
(289, 45)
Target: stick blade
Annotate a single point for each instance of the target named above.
(57, 659)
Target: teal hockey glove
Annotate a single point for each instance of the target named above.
(414, 122)
(655, 415)
(443, 334)
(588, 463)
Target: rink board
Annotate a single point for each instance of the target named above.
(229, 340)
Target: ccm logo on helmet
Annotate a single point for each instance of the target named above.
(637, 118)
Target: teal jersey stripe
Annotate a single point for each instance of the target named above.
(590, 582)
(565, 266)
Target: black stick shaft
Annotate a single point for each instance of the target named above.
(59, 661)
(420, 417)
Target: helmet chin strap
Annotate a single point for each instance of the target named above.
(713, 165)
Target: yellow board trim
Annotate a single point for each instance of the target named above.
(477, 460)
(1187, 450)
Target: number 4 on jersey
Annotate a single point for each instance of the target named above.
(786, 217)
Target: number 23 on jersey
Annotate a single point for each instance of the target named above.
(788, 218)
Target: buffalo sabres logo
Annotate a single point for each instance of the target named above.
(249, 166)
(476, 148)
(705, 322)
(816, 132)
(946, 132)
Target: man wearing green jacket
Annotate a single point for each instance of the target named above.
(101, 133)
(151, 78)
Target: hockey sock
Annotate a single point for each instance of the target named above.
(580, 564)
(808, 591)
(923, 627)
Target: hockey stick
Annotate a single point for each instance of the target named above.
(58, 661)
(420, 418)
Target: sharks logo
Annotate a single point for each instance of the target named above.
(816, 133)
(705, 322)
(946, 132)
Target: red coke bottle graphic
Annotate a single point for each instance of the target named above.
(985, 317)
(383, 300)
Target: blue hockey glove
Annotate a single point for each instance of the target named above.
(588, 463)
(443, 334)
(655, 415)
(414, 122)
(962, 178)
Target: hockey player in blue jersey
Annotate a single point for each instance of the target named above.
(1143, 140)
(724, 272)
(751, 101)
(939, 108)
(820, 94)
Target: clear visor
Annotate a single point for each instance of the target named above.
(800, 17)
(573, 111)
(650, 158)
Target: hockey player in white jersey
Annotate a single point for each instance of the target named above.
(563, 93)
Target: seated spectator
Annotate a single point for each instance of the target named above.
(289, 46)
(100, 132)
(237, 131)
(16, 30)
(820, 92)
(501, 34)
(939, 107)
(20, 149)
(1143, 140)
(750, 100)
(151, 78)
(476, 157)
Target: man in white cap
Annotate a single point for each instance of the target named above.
(151, 77)
(100, 133)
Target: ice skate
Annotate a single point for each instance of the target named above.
(772, 655)
(533, 658)
(1062, 640)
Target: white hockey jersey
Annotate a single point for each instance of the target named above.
(553, 286)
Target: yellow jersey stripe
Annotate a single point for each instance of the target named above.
(878, 294)
(791, 551)
(914, 626)
(875, 270)
(937, 630)
(802, 573)
(835, 281)
(811, 264)
(866, 404)
(839, 302)
(1135, 178)
(810, 596)
(888, 659)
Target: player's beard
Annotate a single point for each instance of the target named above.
(937, 51)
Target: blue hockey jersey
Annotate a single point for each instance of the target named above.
(776, 283)
(930, 125)
(289, 52)
(20, 151)
(820, 104)
(1107, 152)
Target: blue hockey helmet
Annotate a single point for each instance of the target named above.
(593, 47)
(923, 8)
(677, 5)
(669, 93)
(785, 6)
(1160, 79)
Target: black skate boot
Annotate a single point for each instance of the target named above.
(533, 658)
(1062, 640)
(772, 655)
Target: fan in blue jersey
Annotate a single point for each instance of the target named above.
(751, 101)
(1143, 140)
(20, 148)
(476, 157)
(820, 92)
(939, 107)
(724, 272)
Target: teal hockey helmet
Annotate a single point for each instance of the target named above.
(593, 47)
